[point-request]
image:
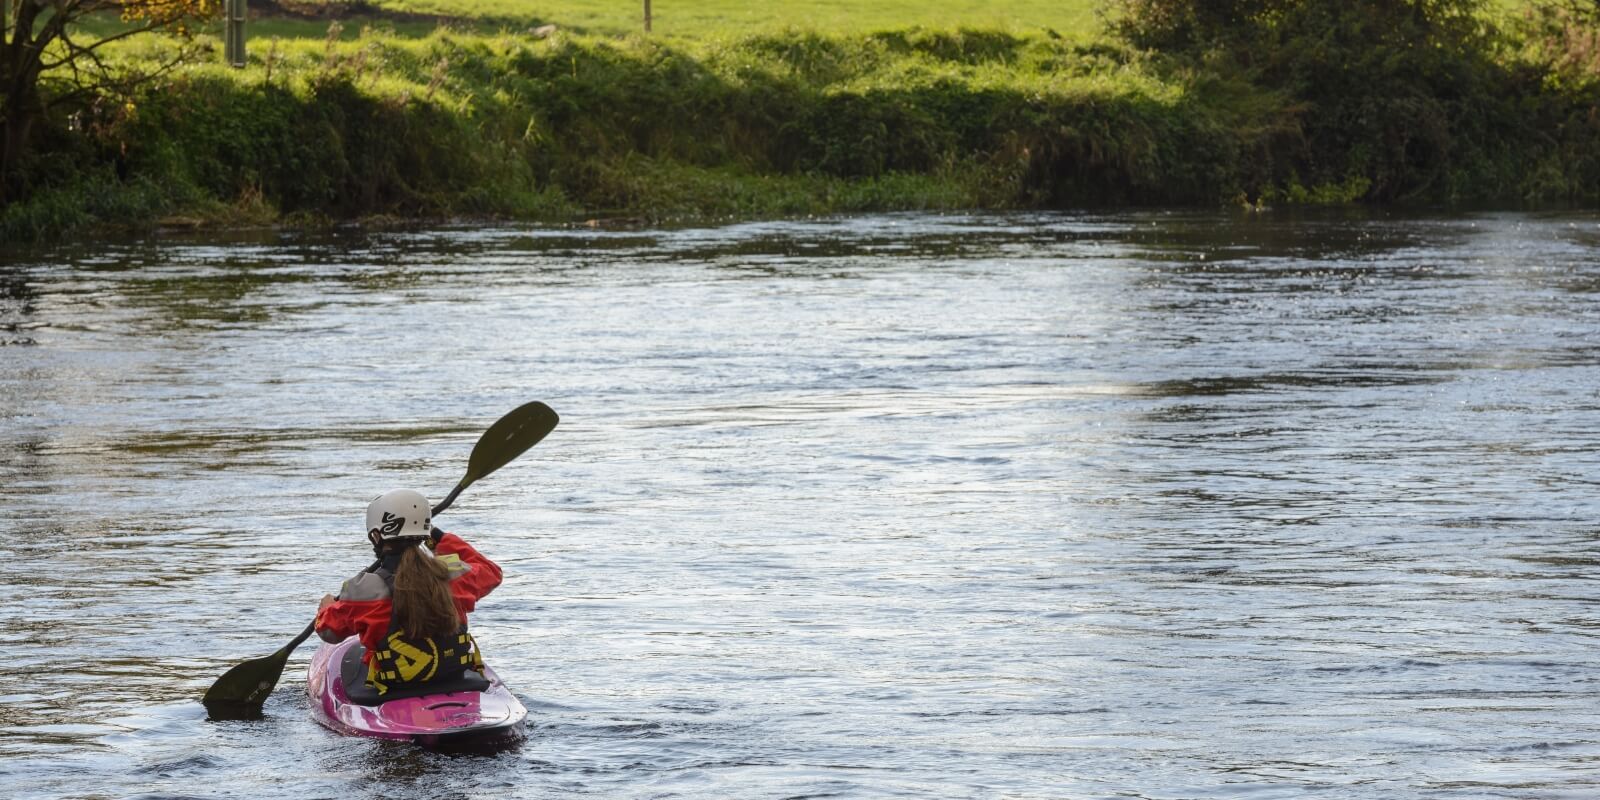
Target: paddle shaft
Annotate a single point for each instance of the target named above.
(312, 628)
(304, 635)
(450, 498)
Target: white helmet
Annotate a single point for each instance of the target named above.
(400, 514)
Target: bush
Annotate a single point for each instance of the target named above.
(1411, 99)
(1284, 100)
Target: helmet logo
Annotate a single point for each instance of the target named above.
(391, 524)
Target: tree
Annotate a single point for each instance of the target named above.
(1397, 96)
(47, 60)
(1248, 29)
(1565, 38)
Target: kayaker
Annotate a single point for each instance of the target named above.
(411, 612)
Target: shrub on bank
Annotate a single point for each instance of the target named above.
(797, 122)
(1406, 99)
(473, 125)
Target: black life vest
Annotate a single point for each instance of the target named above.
(406, 661)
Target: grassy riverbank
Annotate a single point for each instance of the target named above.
(398, 123)
(773, 124)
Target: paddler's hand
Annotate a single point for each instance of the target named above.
(327, 600)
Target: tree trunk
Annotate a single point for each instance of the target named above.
(15, 127)
(20, 106)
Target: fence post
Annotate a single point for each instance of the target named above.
(646, 16)
(233, 37)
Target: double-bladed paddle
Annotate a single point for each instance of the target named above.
(241, 691)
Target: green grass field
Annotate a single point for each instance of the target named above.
(673, 19)
(1073, 20)
(685, 18)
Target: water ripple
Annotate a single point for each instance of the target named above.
(1146, 505)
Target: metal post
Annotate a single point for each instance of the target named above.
(233, 37)
(646, 16)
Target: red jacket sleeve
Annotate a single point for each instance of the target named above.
(352, 618)
(337, 622)
(363, 609)
(478, 581)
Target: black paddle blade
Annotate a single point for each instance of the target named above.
(508, 438)
(239, 693)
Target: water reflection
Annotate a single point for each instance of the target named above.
(1190, 505)
(16, 306)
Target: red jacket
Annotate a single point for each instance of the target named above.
(364, 606)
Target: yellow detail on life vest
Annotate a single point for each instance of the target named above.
(406, 662)
(373, 675)
(453, 562)
(411, 661)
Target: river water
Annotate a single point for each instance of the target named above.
(1142, 505)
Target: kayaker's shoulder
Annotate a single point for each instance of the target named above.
(366, 586)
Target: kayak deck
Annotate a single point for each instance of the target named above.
(447, 718)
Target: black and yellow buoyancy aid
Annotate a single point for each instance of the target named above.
(406, 661)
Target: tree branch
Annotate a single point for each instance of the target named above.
(82, 91)
(74, 50)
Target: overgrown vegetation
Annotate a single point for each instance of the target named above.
(1281, 101)
(48, 60)
(1398, 99)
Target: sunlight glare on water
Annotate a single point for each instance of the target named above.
(1143, 505)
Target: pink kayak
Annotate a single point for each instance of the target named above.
(475, 710)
